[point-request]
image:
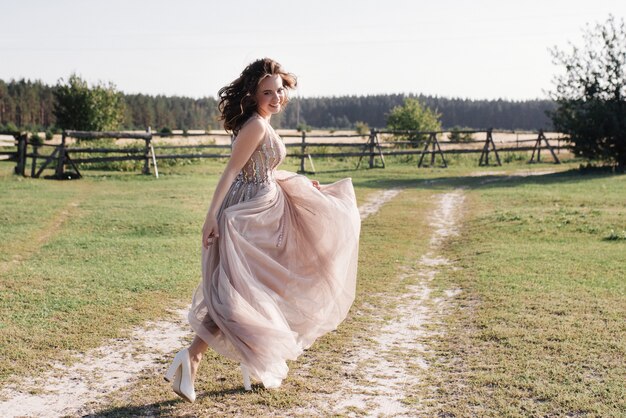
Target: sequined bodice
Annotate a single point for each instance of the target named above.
(259, 170)
(260, 166)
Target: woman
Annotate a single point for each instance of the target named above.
(279, 252)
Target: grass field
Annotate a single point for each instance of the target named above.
(538, 329)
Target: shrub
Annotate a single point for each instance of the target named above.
(361, 128)
(456, 135)
(35, 139)
(10, 127)
(303, 127)
(414, 116)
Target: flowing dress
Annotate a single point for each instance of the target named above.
(283, 271)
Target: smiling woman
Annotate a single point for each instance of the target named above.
(261, 88)
(270, 96)
(280, 252)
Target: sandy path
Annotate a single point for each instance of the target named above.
(390, 366)
(67, 390)
(375, 201)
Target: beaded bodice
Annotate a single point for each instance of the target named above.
(269, 154)
(259, 170)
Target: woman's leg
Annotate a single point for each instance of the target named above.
(197, 348)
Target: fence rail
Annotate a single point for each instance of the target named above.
(374, 147)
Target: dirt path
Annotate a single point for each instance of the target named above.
(67, 390)
(388, 369)
(64, 390)
(376, 200)
(32, 242)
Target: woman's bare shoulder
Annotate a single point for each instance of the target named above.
(252, 131)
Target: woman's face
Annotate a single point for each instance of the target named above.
(270, 95)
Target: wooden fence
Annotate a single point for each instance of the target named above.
(65, 158)
(14, 149)
(375, 149)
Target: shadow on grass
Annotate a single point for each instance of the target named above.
(161, 409)
(487, 181)
(157, 409)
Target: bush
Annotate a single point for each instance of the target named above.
(413, 116)
(35, 139)
(10, 127)
(456, 135)
(303, 127)
(509, 157)
(362, 128)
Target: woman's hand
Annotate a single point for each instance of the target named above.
(316, 184)
(210, 231)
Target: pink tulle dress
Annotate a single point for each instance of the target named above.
(283, 271)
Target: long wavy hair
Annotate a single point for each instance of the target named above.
(237, 100)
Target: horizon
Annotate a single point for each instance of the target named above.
(298, 97)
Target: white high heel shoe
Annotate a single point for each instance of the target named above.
(246, 377)
(179, 373)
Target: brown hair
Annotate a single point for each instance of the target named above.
(237, 100)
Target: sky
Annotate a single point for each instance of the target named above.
(480, 49)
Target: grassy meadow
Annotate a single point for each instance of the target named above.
(538, 328)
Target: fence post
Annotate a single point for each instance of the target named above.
(20, 168)
(146, 154)
(302, 150)
(60, 158)
(33, 167)
(539, 145)
(541, 137)
(433, 137)
(487, 149)
(372, 141)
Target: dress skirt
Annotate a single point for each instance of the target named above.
(281, 274)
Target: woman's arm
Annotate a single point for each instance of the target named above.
(247, 142)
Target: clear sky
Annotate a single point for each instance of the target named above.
(481, 49)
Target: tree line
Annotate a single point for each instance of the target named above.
(29, 105)
(344, 112)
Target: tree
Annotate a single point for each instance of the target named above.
(413, 116)
(80, 107)
(591, 94)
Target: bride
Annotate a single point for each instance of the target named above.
(279, 252)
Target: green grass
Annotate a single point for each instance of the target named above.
(84, 260)
(538, 329)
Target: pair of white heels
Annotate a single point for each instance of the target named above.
(179, 373)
